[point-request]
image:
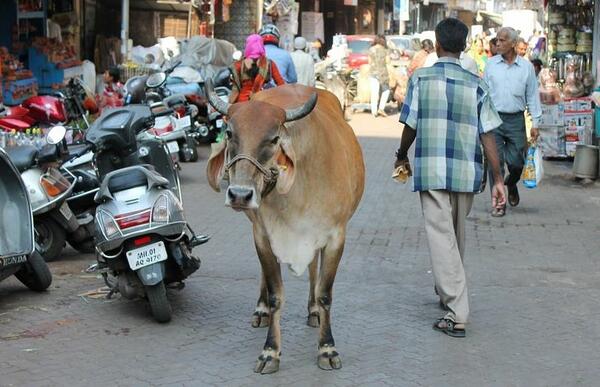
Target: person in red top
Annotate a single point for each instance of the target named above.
(252, 72)
(112, 95)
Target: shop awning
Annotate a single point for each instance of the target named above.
(495, 18)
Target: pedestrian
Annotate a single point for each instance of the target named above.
(537, 66)
(521, 47)
(418, 59)
(303, 62)
(514, 88)
(270, 36)
(478, 54)
(113, 92)
(450, 113)
(252, 71)
(378, 76)
(493, 47)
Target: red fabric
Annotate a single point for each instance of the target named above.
(252, 86)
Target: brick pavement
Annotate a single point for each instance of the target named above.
(533, 279)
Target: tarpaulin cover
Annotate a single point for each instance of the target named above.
(206, 55)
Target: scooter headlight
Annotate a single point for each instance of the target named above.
(108, 224)
(160, 210)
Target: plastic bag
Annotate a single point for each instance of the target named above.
(533, 171)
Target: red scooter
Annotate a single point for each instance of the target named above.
(50, 110)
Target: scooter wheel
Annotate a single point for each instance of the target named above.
(85, 247)
(49, 238)
(35, 274)
(161, 308)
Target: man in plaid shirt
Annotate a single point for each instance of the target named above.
(449, 112)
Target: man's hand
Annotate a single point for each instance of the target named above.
(498, 195)
(405, 164)
(535, 133)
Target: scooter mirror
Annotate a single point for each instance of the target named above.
(56, 135)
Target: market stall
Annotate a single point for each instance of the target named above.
(567, 84)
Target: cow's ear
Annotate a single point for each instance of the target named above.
(286, 162)
(215, 169)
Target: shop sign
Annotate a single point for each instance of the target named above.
(351, 2)
(401, 11)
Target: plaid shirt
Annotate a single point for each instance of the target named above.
(449, 108)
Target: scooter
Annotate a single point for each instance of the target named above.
(142, 238)
(152, 90)
(48, 191)
(17, 250)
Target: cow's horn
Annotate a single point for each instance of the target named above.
(301, 111)
(216, 102)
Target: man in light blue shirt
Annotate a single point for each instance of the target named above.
(513, 87)
(281, 57)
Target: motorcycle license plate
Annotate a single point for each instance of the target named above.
(184, 122)
(173, 147)
(219, 123)
(147, 255)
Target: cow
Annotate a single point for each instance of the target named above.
(296, 169)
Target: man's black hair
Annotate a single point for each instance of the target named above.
(451, 34)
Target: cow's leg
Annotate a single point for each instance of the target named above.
(268, 361)
(313, 307)
(260, 318)
(331, 254)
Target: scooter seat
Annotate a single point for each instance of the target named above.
(75, 149)
(128, 179)
(23, 157)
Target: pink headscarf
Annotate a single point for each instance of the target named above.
(254, 47)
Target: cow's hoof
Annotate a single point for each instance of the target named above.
(313, 320)
(260, 319)
(266, 363)
(329, 359)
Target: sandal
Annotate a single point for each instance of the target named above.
(449, 327)
(499, 212)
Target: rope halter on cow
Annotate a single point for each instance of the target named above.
(269, 175)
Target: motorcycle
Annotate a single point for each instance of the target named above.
(48, 190)
(69, 105)
(143, 241)
(17, 249)
(152, 90)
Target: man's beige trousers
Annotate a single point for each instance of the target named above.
(445, 214)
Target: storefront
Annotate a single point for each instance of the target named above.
(39, 47)
(567, 84)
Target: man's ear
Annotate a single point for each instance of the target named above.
(286, 163)
(215, 169)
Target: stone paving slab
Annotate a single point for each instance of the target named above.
(533, 276)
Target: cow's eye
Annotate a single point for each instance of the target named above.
(228, 134)
(275, 140)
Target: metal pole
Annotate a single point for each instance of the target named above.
(259, 14)
(124, 29)
(189, 21)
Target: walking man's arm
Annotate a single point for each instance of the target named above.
(488, 140)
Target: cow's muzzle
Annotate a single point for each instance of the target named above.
(269, 178)
(241, 197)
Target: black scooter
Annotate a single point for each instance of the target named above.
(17, 252)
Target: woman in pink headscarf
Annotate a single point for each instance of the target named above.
(252, 72)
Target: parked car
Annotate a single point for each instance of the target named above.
(359, 45)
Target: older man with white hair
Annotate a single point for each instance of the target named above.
(304, 63)
(513, 87)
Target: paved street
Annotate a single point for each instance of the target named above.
(534, 280)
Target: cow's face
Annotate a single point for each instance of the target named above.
(257, 149)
